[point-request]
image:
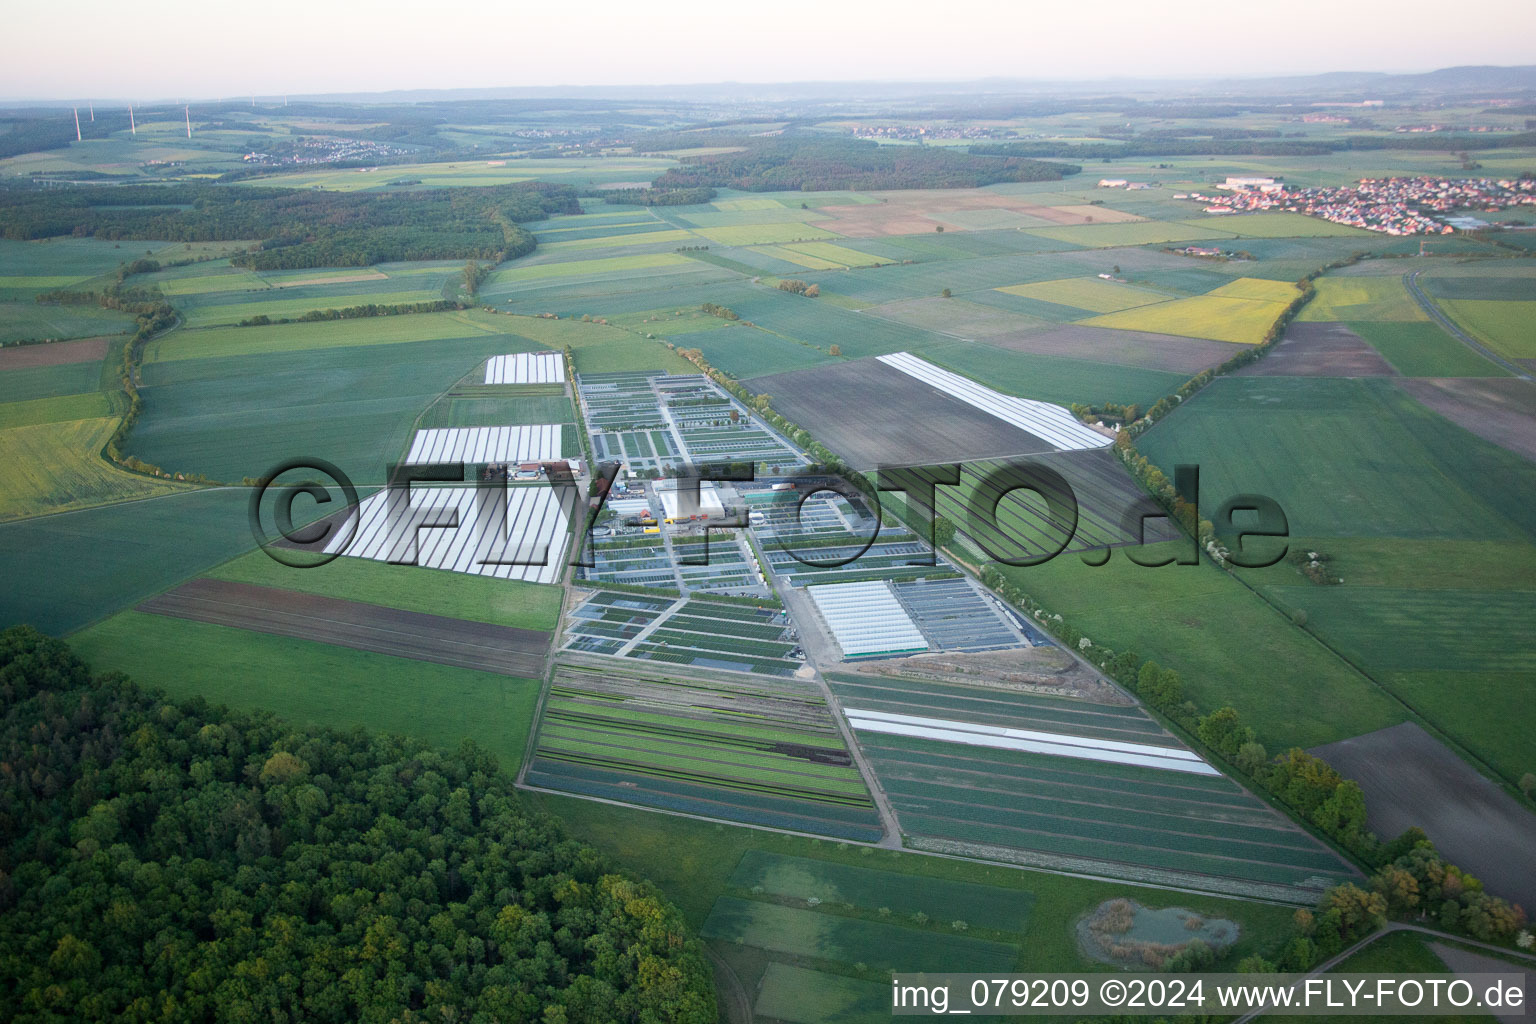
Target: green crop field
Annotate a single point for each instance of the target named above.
(1229, 645)
(1361, 298)
(660, 237)
(1424, 350)
(1386, 456)
(1055, 378)
(317, 684)
(1504, 327)
(799, 996)
(228, 280)
(238, 416)
(806, 933)
(54, 467)
(284, 338)
(28, 321)
(59, 409)
(1442, 648)
(87, 564)
(838, 255)
(1098, 236)
(744, 352)
(471, 172)
(34, 382)
(761, 234)
(1087, 293)
(1284, 225)
(408, 587)
(211, 314)
(520, 272)
(869, 889)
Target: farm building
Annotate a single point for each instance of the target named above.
(516, 534)
(533, 443)
(526, 368)
(1237, 182)
(866, 620)
(678, 502)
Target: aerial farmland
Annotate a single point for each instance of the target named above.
(966, 551)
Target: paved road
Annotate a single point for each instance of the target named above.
(364, 627)
(1428, 305)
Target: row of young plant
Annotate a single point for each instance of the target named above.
(1411, 879)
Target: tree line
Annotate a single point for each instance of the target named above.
(172, 861)
(298, 228)
(807, 164)
(656, 196)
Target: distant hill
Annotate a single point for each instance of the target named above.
(1339, 85)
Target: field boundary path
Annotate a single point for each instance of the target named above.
(738, 1001)
(1429, 307)
(651, 627)
(1391, 926)
(459, 643)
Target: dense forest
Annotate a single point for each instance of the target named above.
(816, 164)
(656, 196)
(177, 862)
(298, 227)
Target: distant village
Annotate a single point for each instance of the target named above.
(920, 132)
(1395, 206)
(308, 151)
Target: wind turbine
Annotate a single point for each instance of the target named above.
(133, 128)
(92, 106)
(77, 125)
(188, 110)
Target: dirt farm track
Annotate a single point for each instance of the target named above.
(363, 627)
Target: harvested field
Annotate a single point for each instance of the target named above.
(364, 627)
(871, 413)
(1320, 350)
(919, 211)
(1410, 778)
(1112, 345)
(1497, 409)
(57, 466)
(59, 353)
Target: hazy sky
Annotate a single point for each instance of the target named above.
(203, 48)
